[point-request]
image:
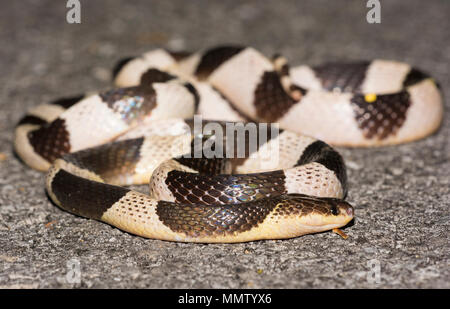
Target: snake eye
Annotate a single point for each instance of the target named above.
(334, 209)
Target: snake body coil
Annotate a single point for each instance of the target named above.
(91, 145)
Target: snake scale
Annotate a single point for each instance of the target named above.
(147, 128)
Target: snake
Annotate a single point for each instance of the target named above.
(235, 146)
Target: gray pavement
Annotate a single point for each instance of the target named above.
(401, 193)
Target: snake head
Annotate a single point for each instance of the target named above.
(314, 214)
(329, 213)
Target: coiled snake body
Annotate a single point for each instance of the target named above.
(290, 184)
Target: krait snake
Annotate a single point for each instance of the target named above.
(291, 183)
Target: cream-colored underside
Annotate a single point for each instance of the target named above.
(424, 116)
(48, 112)
(25, 151)
(136, 213)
